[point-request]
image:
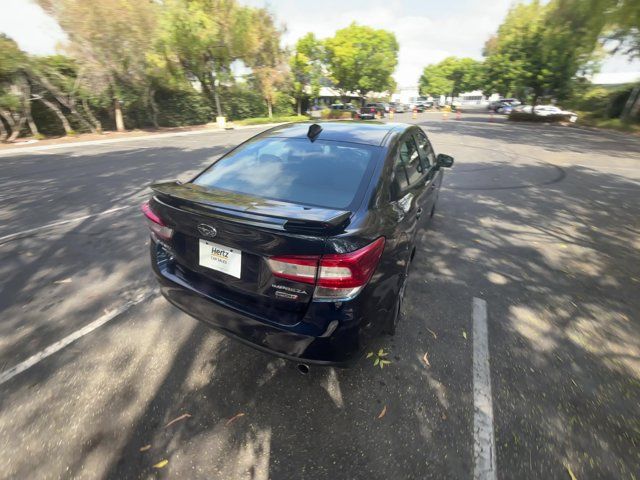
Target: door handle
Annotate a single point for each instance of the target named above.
(418, 212)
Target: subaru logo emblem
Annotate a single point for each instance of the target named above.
(207, 230)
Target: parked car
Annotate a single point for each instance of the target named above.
(418, 106)
(548, 110)
(298, 241)
(503, 102)
(398, 107)
(372, 110)
(344, 106)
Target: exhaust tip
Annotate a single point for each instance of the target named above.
(303, 368)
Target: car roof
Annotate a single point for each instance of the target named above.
(369, 133)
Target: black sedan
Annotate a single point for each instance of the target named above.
(298, 242)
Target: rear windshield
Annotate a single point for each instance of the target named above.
(323, 173)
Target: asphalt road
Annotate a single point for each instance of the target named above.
(540, 222)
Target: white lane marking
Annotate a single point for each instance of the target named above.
(484, 445)
(13, 236)
(60, 344)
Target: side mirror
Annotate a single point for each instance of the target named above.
(443, 160)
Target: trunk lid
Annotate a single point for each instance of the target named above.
(256, 228)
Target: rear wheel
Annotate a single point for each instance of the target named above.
(397, 313)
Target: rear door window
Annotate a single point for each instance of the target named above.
(410, 158)
(323, 173)
(407, 168)
(425, 149)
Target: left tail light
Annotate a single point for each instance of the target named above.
(337, 277)
(155, 224)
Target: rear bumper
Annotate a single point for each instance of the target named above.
(340, 345)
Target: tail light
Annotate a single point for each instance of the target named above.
(158, 228)
(337, 277)
(373, 110)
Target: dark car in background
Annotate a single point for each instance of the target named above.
(372, 111)
(504, 105)
(298, 241)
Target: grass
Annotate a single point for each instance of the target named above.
(262, 120)
(585, 119)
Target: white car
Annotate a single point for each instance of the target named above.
(546, 110)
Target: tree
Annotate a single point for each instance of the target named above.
(204, 37)
(267, 60)
(305, 64)
(452, 76)
(540, 49)
(362, 59)
(110, 40)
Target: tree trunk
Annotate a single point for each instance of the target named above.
(26, 105)
(16, 129)
(632, 105)
(55, 109)
(299, 106)
(89, 113)
(3, 132)
(153, 106)
(117, 109)
(270, 109)
(64, 101)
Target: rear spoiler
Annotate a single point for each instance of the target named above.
(251, 209)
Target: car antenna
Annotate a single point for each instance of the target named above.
(314, 131)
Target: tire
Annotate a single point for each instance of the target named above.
(398, 314)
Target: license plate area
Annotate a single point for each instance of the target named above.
(220, 258)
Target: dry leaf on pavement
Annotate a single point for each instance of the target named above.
(426, 359)
(161, 464)
(383, 412)
(233, 419)
(145, 448)
(181, 417)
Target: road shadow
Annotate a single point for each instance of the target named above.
(557, 262)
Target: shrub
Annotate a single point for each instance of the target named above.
(181, 107)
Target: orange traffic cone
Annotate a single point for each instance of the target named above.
(415, 113)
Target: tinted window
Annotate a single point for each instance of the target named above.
(425, 149)
(410, 158)
(327, 174)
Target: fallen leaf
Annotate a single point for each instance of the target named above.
(384, 362)
(181, 417)
(161, 464)
(370, 354)
(573, 477)
(383, 412)
(464, 334)
(426, 359)
(66, 280)
(233, 419)
(145, 448)
(433, 333)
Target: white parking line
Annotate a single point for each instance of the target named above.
(60, 344)
(23, 233)
(484, 445)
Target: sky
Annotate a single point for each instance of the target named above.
(427, 30)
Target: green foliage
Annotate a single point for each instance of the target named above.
(452, 76)
(362, 59)
(244, 102)
(182, 107)
(378, 358)
(283, 104)
(540, 48)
